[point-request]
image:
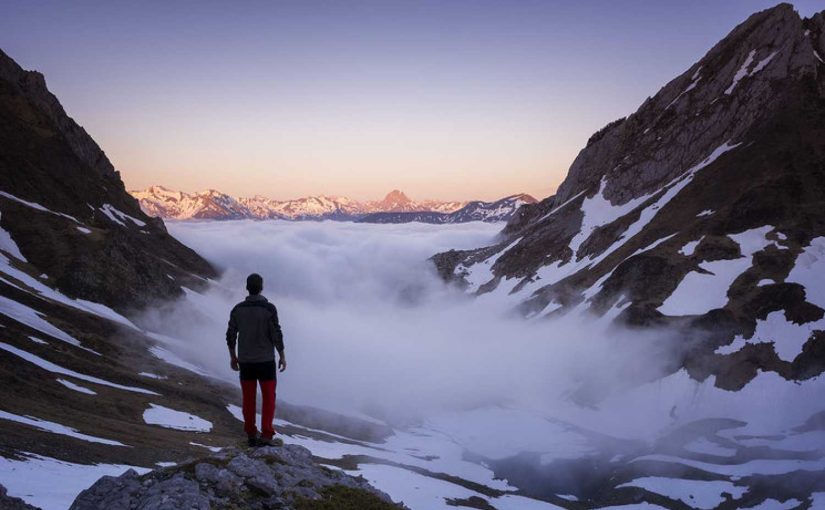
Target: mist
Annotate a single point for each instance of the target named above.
(370, 329)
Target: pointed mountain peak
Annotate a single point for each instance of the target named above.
(397, 196)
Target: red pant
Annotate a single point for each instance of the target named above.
(249, 388)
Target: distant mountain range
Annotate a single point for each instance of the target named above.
(395, 207)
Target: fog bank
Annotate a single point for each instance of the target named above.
(370, 329)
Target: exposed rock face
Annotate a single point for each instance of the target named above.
(9, 503)
(67, 209)
(722, 171)
(271, 477)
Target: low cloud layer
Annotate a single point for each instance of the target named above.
(370, 328)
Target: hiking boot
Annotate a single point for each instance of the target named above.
(252, 441)
(271, 441)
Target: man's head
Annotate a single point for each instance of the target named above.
(254, 284)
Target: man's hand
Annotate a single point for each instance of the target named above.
(233, 363)
(282, 363)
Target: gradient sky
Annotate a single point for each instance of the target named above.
(446, 99)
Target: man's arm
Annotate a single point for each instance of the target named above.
(231, 340)
(278, 339)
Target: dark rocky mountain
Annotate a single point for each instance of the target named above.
(66, 208)
(702, 211)
(491, 212)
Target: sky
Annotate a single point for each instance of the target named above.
(451, 100)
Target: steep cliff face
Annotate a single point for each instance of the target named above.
(702, 210)
(65, 206)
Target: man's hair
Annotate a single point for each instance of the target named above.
(254, 283)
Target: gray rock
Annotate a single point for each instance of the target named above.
(10, 503)
(272, 477)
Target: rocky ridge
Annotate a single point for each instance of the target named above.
(718, 178)
(271, 477)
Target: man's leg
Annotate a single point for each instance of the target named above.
(267, 408)
(249, 389)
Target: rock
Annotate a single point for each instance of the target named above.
(9, 503)
(270, 477)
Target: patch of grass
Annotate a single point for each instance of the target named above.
(339, 497)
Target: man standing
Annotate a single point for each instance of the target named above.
(254, 327)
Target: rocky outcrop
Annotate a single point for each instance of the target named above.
(66, 208)
(9, 503)
(271, 477)
(728, 154)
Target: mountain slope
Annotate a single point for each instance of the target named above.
(698, 211)
(67, 210)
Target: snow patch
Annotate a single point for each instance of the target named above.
(689, 248)
(53, 484)
(653, 245)
(8, 245)
(56, 369)
(32, 318)
(700, 292)
(741, 73)
(178, 420)
(772, 504)
(210, 448)
(762, 63)
(702, 494)
(695, 81)
(55, 428)
(598, 211)
(152, 376)
(43, 291)
(118, 216)
(787, 337)
(35, 205)
(76, 387)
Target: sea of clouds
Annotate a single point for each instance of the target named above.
(370, 329)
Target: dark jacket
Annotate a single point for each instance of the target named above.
(253, 324)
